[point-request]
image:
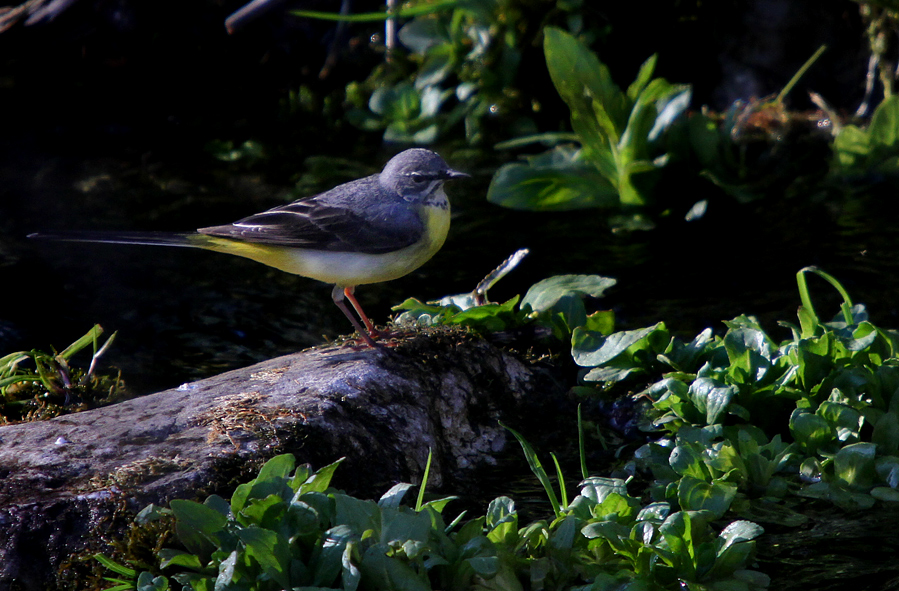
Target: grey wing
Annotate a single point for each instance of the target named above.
(356, 217)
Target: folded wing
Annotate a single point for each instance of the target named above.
(356, 217)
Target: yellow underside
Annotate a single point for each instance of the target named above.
(342, 268)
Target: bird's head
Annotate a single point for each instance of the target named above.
(415, 174)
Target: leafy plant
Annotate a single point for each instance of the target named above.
(556, 303)
(460, 68)
(287, 528)
(726, 400)
(609, 538)
(619, 135)
(37, 384)
(753, 148)
(874, 150)
(407, 114)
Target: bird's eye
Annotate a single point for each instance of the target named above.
(417, 177)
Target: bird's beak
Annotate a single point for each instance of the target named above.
(455, 174)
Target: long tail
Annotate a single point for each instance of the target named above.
(186, 239)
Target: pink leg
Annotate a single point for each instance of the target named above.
(348, 292)
(338, 294)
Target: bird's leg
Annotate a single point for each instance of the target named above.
(348, 292)
(338, 294)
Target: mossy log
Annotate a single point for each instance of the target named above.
(66, 482)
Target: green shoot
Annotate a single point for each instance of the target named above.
(537, 469)
(369, 17)
(419, 503)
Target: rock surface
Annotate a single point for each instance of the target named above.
(64, 480)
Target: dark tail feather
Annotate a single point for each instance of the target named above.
(187, 239)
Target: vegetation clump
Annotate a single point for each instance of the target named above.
(36, 385)
(288, 529)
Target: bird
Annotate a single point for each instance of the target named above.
(374, 229)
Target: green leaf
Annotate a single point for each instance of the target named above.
(272, 480)
(597, 104)
(500, 523)
(854, 465)
(489, 317)
(634, 143)
(385, 572)
(670, 108)
(266, 513)
(317, 482)
(90, 338)
(500, 510)
(394, 497)
(349, 573)
(810, 430)
(643, 77)
(697, 495)
(537, 469)
(602, 322)
(734, 548)
(226, 572)
(115, 567)
(739, 531)
(422, 34)
(557, 180)
(887, 468)
(711, 398)
(886, 434)
(277, 468)
(195, 523)
(884, 126)
(883, 493)
(815, 358)
(404, 526)
(838, 495)
(846, 420)
(750, 350)
(270, 550)
(219, 504)
(359, 515)
(592, 349)
(685, 357)
(545, 294)
(851, 146)
(687, 460)
(617, 507)
(484, 566)
(328, 562)
(147, 582)
(168, 556)
(678, 533)
(598, 488)
(654, 512)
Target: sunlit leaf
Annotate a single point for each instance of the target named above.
(810, 430)
(854, 465)
(698, 495)
(711, 398)
(544, 294)
(557, 180)
(590, 349)
(884, 126)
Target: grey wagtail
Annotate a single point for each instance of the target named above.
(373, 229)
